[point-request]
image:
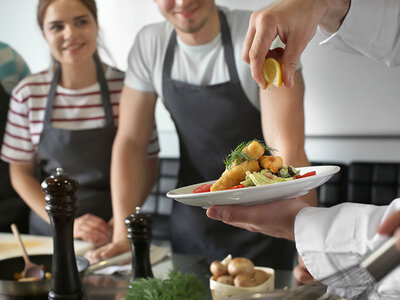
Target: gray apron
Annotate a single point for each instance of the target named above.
(211, 121)
(84, 154)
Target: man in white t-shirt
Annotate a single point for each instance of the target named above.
(192, 63)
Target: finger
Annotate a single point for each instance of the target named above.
(228, 214)
(101, 253)
(390, 224)
(258, 51)
(291, 55)
(98, 223)
(93, 256)
(302, 275)
(101, 242)
(112, 250)
(397, 236)
(248, 41)
(93, 236)
(89, 229)
(92, 225)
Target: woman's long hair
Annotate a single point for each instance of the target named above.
(91, 5)
(43, 4)
(41, 11)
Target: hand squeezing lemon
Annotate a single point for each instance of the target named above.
(272, 72)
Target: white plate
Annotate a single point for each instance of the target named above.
(256, 194)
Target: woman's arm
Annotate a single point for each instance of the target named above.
(28, 188)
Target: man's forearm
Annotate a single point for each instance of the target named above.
(128, 182)
(336, 11)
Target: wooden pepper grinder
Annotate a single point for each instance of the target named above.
(139, 234)
(60, 190)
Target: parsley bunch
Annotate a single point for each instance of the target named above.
(176, 287)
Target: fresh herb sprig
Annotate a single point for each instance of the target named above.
(239, 157)
(177, 286)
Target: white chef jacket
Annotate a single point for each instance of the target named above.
(331, 239)
(371, 28)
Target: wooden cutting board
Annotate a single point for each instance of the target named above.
(35, 244)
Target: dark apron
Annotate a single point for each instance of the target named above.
(6, 189)
(211, 121)
(13, 209)
(84, 154)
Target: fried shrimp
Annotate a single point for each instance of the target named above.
(233, 176)
(254, 150)
(273, 163)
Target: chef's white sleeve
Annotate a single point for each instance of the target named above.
(331, 239)
(371, 28)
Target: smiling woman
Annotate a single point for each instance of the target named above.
(66, 117)
(71, 34)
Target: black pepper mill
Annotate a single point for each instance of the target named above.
(139, 234)
(60, 190)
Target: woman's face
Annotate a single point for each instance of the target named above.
(71, 31)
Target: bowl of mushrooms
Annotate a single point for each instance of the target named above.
(235, 276)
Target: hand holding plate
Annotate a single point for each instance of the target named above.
(275, 219)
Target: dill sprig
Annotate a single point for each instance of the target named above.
(238, 157)
(177, 286)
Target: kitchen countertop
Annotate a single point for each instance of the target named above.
(97, 287)
(115, 287)
(34, 244)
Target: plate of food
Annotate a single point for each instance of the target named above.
(253, 178)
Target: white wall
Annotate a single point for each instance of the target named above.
(347, 97)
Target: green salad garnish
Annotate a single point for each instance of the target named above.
(238, 156)
(177, 286)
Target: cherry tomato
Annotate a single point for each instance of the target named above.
(239, 186)
(203, 188)
(308, 174)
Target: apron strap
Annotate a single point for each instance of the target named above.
(226, 42)
(169, 56)
(105, 95)
(228, 47)
(51, 96)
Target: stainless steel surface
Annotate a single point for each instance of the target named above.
(115, 287)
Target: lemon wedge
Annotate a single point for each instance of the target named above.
(272, 72)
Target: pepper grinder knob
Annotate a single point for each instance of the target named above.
(139, 226)
(60, 190)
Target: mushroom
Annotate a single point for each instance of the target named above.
(225, 279)
(260, 277)
(240, 265)
(244, 280)
(217, 268)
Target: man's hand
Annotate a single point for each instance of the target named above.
(110, 250)
(391, 226)
(295, 22)
(274, 218)
(301, 273)
(92, 229)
